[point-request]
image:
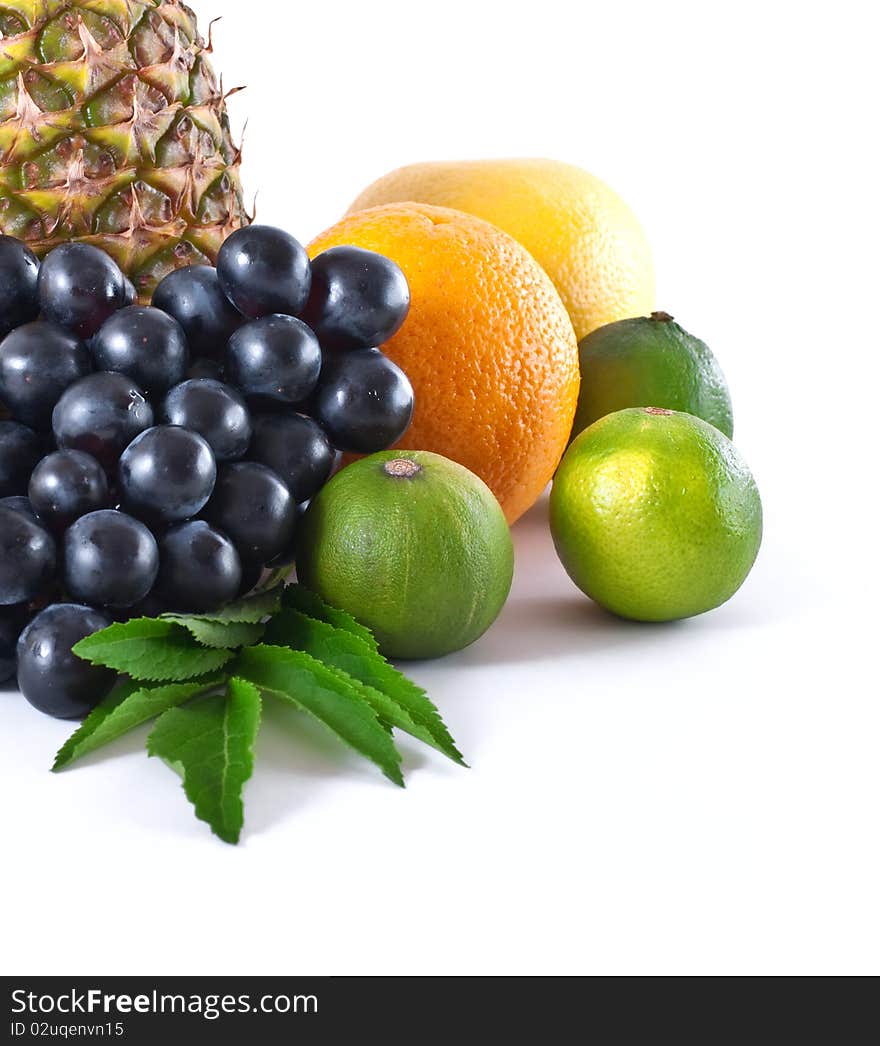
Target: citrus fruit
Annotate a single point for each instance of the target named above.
(654, 515)
(487, 345)
(414, 546)
(650, 361)
(583, 234)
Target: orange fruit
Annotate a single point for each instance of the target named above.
(576, 227)
(488, 345)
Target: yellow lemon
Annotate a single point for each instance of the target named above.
(577, 228)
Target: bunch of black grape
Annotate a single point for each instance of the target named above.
(157, 459)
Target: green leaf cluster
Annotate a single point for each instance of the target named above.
(201, 680)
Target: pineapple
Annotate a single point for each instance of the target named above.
(114, 131)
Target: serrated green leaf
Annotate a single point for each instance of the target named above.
(396, 699)
(151, 649)
(248, 611)
(328, 694)
(93, 722)
(219, 635)
(125, 708)
(298, 597)
(210, 744)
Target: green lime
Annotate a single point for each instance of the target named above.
(650, 361)
(654, 515)
(414, 546)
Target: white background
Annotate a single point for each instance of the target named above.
(692, 798)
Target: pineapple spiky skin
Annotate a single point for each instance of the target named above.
(114, 131)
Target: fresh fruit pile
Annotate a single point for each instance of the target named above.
(158, 461)
(155, 459)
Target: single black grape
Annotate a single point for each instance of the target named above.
(215, 411)
(101, 415)
(276, 358)
(167, 475)
(50, 675)
(297, 449)
(364, 401)
(131, 293)
(359, 299)
(27, 558)
(110, 559)
(37, 363)
(194, 297)
(254, 507)
(147, 345)
(22, 505)
(66, 485)
(80, 287)
(264, 270)
(199, 568)
(20, 450)
(19, 273)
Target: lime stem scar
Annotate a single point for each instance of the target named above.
(402, 468)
